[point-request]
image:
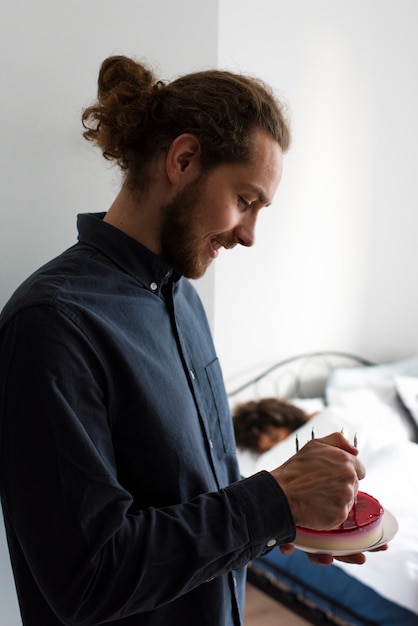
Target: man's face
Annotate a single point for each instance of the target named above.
(220, 208)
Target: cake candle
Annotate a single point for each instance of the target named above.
(355, 445)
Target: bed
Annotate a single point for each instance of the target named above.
(378, 403)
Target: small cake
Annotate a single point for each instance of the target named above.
(362, 528)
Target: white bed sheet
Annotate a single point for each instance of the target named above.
(391, 462)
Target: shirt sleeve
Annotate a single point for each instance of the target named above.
(94, 557)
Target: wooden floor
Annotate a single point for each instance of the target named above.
(261, 610)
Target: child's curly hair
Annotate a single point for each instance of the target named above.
(255, 417)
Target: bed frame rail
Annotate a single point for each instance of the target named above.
(302, 376)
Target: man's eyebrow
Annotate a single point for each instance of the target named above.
(261, 196)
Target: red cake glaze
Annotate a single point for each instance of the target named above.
(361, 529)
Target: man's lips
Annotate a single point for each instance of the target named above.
(217, 245)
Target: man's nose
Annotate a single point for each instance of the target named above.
(245, 231)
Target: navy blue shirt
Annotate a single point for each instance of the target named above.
(120, 488)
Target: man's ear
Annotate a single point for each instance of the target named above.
(183, 159)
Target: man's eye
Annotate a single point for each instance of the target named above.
(245, 204)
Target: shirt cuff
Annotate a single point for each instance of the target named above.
(269, 518)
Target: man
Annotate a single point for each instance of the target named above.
(120, 489)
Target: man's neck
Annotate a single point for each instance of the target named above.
(140, 219)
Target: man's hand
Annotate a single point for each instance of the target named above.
(321, 482)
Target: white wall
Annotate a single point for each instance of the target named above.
(336, 258)
(50, 56)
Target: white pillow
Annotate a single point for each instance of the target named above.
(355, 377)
(379, 392)
(374, 383)
(309, 405)
(380, 404)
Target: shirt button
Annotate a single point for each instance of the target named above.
(153, 286)
(210, 443)
(192, 374)
(271, 543)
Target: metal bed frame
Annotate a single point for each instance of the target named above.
(301, 376)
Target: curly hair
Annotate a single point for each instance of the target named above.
(255, 417)
(136, 116)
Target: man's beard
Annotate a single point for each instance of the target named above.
(180, 243)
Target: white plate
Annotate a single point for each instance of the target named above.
(390, 528)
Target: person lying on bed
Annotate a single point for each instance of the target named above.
(261, 424)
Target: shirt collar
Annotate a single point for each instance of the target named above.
(134, 258)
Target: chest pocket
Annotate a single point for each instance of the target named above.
(219, 409)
